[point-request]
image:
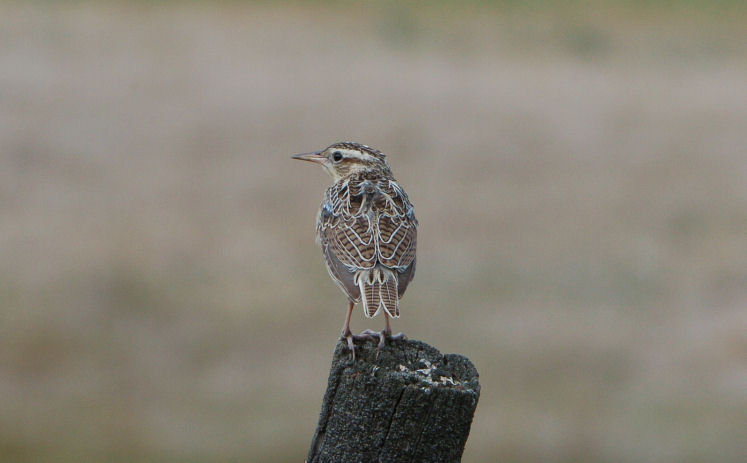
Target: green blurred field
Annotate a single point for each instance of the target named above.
(579, 173)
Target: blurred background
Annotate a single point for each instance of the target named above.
(578, 169)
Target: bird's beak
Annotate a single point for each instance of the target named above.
(311, 157)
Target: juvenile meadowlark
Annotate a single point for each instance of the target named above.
(367, 229)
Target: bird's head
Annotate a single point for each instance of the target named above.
(341, 160)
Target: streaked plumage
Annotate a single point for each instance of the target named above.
(367, 229)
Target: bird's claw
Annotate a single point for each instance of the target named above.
(352, 338)
(370, 335)
(383, 336)
(380, 335)
(398, 337)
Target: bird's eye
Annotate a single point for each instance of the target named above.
(337, 156)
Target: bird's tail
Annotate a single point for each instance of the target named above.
(378, 291)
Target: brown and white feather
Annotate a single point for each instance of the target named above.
(368, 233)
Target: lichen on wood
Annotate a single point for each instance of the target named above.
(404, 403)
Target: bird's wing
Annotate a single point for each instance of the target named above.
(368, 222)
(345, 230)
(341, 275)
(396, 227)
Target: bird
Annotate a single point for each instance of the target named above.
(367, 230)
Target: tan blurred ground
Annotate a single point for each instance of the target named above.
(580, 176)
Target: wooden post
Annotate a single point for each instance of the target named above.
(409, 404)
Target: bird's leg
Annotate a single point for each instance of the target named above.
(348, 335)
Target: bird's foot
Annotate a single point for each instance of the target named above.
(353, 338)
(398, 337)
(383, 336)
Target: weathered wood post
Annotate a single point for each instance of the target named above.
(408, 404)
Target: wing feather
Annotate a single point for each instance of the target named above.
(365, 223)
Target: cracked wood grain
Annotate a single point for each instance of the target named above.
(408, 404)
